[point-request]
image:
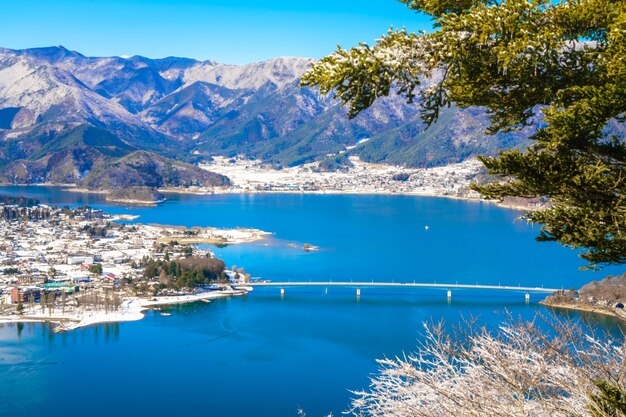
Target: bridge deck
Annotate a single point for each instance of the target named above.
(365, 284)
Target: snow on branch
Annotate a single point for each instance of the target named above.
(518, 371)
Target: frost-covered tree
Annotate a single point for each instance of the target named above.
(566, 59)
(517, 371)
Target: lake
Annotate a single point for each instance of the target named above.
(264, 355)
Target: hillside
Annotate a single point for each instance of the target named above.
(58, 157)
(95, 159)
(146, 169)
(606, 296)
(135, 195)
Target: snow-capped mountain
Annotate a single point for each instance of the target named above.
(278, 72)
(180, 107)
(43, 91)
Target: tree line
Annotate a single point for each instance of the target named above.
(16, 213)
(190, 272)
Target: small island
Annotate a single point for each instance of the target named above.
(139, 195)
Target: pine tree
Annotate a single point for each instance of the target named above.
(565, 60)
(611, 402)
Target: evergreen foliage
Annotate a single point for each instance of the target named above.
(146, 169)
(96, 269)
(190, 272)
(13, 213)
(516, 58)
(18, 200)
(611, 401)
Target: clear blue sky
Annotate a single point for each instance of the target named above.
(228, 31)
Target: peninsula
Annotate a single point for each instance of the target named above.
(607, 297)
(77, 267)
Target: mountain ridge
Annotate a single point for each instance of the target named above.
(190, 110)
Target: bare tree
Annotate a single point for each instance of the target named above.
(518, 371)
(42, 302)
(51, 302)
(31, 301)
(106, 300)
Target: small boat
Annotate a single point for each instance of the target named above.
(166, 314)
(204, 300)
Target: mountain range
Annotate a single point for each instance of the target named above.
(64, 116)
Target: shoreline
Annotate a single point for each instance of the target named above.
(605, 311)
(134, 202)
(517, 207)
(73, 189)
(208, 241)
(133, 309)
(209, 235)
(505, 205)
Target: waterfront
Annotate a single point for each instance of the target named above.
(364, 237)
(263, 355)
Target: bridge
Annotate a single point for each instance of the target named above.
(364, 284)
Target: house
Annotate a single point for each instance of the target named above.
(110, 276)
(32, 279)
(21, 295)
(80, 259)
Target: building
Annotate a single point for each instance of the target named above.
(22, 295)
(80, 259)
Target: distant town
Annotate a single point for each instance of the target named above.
(356, 177)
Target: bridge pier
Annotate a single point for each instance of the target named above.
(358, 285)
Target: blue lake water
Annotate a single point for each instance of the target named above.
(264, 355)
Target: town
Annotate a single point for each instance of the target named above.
(356, 177)
(75, 267)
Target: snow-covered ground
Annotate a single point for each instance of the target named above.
(255, 176)
(131, 310)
